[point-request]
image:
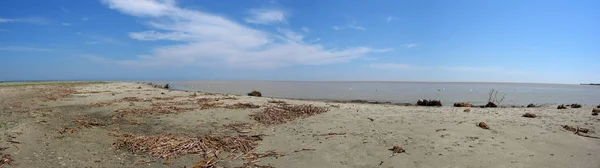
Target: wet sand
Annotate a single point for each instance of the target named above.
(74, 125)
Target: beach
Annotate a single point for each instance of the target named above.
(127, 124)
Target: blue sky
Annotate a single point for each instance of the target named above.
(549, 41)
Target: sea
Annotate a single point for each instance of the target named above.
(404, 92)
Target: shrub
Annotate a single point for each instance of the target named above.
(562, 106)
(531, 105)
(255, 93)
(575, 105)
(491, 104)
(463, 104)
(424, 102)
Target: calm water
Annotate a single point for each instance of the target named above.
(405, 92)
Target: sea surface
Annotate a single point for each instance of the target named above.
(404, 92)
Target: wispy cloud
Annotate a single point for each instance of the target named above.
(408, 67)
(3, 30)
(85, 19)
(65, 10)
(33, 20)
(291, 35)
(390, 19)
(266, 16)
(66, 24)
(352, 25)
(411, 45)
(212, 40)
(305, 29)
(94, 39)
(23, 48)
(153, 35)
(392, 66)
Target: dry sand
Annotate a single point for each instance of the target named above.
(37, 129)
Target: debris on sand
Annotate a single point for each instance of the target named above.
(595, 111)
(255, 157)
(467, 110)
(283, 113)
(575, 105)
(152, 110)
(133, 99)
(562, 106)
(483, 125)
(424, 102)
(598, 106)
(576, 129)
(5, 159)
(240, 127)
(167, 146)
(397, 149)
(89, 124)
(242, 106)
(531, 105)
(331, 133)
(166, 86)
(255, 93)
(463, 104)
(491, 104)
(277, 101)
(100, 104)
(69, 130)
(529, 115)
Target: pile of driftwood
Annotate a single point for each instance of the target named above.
(5, 159)
(242, 106)
(283, 113)
(210, 148)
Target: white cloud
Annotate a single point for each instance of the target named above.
(65, 9)
(266, 16)
(66, 24)
(305, 29)
(211, 40)
(399, 67)
(411, 45)
(153, 35)
(390, 18)
(349, 26)
(32, 20)
(392, 66)
(291, 35)
(22, 48)
(85, 19)
(3, 20)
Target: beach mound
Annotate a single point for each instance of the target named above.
(425, 102)
(463, 104)
(255, 93)
(529, 115)
(575, 105)
(562, 106)
(491, 104)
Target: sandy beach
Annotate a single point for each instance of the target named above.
(136, 125)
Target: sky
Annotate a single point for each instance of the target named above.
(530, 41)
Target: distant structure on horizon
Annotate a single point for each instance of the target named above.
(591, 84)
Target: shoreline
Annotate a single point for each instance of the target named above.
(116, 125)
